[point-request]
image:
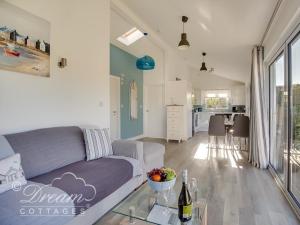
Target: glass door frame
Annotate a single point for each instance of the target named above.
(285, 49)
(295, 35)
(280, 52)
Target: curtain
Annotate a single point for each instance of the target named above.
(259, 119)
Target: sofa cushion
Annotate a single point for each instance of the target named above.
(48, 149)
(97, 143)
(136, 165)
(94, 179)
(153, 150)
(11, 173)
(5, 148)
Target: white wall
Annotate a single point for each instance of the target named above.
(205, 80)
(208, 81)
(176, 67)
(76, 95)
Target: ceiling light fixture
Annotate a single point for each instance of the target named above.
(184, 44)
(145, 63)
(203, 67)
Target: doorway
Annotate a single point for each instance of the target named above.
(154, 111)
(115, 119)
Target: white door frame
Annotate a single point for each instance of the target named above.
(119, 105)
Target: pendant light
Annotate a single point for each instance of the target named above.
(203, 67)
(184, 44)
(145, 63)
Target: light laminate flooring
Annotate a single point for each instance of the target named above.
(236, 192)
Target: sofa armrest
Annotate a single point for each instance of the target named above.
(131, 149)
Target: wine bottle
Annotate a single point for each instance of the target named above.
(184, 201)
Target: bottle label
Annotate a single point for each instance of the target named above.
(187, 211)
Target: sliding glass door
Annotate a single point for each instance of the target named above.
(294, 71)
(284, 74)
(278, 117)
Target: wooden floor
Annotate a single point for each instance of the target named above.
(237, 193)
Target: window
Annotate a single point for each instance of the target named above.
(130, 36)
(216, 99)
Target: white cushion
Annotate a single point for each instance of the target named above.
(97, 143)
(11, 173)
(6, 149)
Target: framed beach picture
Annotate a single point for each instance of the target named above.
(24, 41)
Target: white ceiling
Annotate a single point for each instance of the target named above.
(225, 29)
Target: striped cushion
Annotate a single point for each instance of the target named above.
(97, 143)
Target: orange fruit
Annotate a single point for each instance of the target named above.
(156, 178)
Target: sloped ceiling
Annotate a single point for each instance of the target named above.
(225, 29)
(119, 25)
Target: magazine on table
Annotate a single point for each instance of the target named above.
(164, 216)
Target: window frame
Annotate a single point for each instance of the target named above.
(216, 92)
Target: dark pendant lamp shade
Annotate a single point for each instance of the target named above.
(183, 44)
(203, 67)
(145, 63)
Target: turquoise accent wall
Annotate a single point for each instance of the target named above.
(122, 64)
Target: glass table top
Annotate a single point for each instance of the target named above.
(141, 202)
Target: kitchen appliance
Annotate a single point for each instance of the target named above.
(239, 108)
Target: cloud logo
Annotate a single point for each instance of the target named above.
(76, 187)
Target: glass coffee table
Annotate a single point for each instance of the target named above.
(150, 207)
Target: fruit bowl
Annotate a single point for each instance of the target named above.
(161, 186)
(161, 179)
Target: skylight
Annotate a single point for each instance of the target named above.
(130, 36)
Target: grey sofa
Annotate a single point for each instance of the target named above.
(52, 153)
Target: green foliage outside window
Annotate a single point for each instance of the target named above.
(296, 115)
(216, 103)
